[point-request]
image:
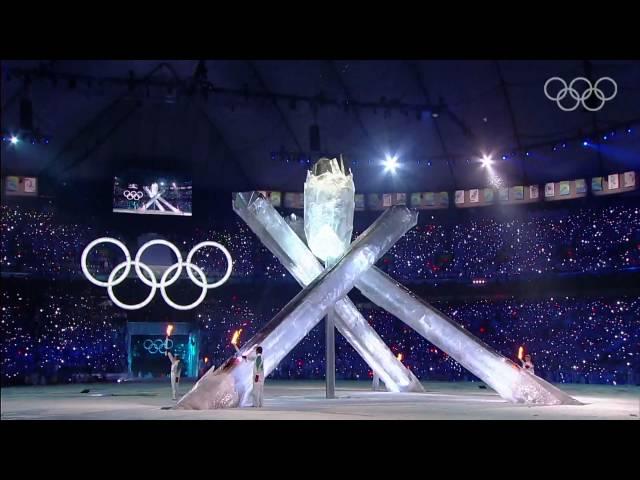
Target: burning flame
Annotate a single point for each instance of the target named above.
(520, 352)
(236, 337)
(206, 359)
(400, 357)
(169, 330)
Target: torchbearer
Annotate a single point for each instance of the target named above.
(376, 382)
(176, 365)
(258, 377)
(527, 364)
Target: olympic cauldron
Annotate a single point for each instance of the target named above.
(328, 223)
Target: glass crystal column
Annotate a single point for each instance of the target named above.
(284, 238)
(231, 384)
(329, 203)
(506, 378)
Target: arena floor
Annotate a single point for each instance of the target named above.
(303, 400)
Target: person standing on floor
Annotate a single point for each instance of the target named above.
(176, 370)
(258, 377)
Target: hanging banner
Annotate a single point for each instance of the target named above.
(549, 189)
(566, 190)
(21, 186)
(374, 201)
(294, 200)
(429, 200)
(628, 179)
(488, 194)
(614, 183)
(596, 184)
(518, 192)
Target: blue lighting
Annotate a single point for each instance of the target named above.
(429, 163)
(585, 144)
(504, 157)
(564, 145)
(628, 130)
(604, 137)
(528, 154)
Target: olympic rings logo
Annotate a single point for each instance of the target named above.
(580, 99)
(157, 346)
(149, 278)
(132, 195)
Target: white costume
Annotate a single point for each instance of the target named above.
(528, 366)
(258, 380)
(376, 382)
(176, 369)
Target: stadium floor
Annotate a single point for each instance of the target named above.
(303, 400)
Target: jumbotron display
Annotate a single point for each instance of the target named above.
(152, 194)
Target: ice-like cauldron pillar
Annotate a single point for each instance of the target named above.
(268, 226)
(231, 384)
(329, 203)
(507, 379)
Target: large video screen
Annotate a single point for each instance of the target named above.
(152, 194)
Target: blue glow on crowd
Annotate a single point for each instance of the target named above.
(55, 332)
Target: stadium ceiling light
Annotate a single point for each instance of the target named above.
(486, 161)
(391, 164)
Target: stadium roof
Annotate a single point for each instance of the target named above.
(236, 125)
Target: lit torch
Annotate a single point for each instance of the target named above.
(400, 357)
(235, 338)
(520, 352)
(166, 340)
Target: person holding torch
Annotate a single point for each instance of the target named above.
(527, 364)
(176, 365)
(258, 377)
